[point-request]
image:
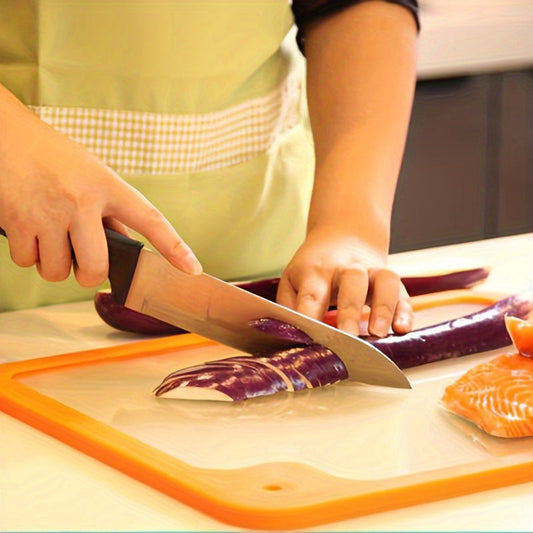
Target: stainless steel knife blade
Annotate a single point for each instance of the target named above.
(220, 311)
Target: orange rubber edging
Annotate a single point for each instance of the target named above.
(275, 496)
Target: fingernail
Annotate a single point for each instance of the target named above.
(403, 323)
(188, 263)
(192, 265)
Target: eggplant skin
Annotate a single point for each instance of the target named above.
(480, 331)
(245, 377)
(477, 332)
(124, 319)
(460, 279)
(234, 380)
(415, 285)
(281, 329)
(266, 288)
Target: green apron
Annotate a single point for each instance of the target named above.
(198, 104)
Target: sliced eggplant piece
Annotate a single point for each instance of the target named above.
(253, 362)
(243, 377)
(317, 365)
(222, 382)
(281, 329)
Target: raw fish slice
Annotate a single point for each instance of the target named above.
(521, 332)
(497, 396)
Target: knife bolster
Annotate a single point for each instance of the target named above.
(123, 257)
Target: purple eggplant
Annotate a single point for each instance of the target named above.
(477, 332)
(445, 281)
(317, 364)
(266, 288)
(415, 285)
(124, 319)
(480, 331)
(312, 365)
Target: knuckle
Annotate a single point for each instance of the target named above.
(383, 310)
(153, 215)
(315, 294)
(387, 275)
(311, 302)
(54, 274)
(308, 296)
(349, 313)
(357, 270)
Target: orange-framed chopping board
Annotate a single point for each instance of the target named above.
(287, 461)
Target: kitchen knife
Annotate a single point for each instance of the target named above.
(146, 282)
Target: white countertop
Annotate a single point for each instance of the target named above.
(45, 485)
(461, 37)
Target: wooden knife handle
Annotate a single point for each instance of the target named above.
(123, 256)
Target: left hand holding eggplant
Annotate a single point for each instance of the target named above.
(340, 270)
(359, 139)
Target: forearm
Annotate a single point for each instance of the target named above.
(361, 66)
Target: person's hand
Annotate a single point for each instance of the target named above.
(361, 75)
(56, 197)
(335, 269)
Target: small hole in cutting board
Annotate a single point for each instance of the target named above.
(273, 487)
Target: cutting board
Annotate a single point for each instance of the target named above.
(282, 462)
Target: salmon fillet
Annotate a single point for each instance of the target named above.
(521, 332)
(497, 396)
